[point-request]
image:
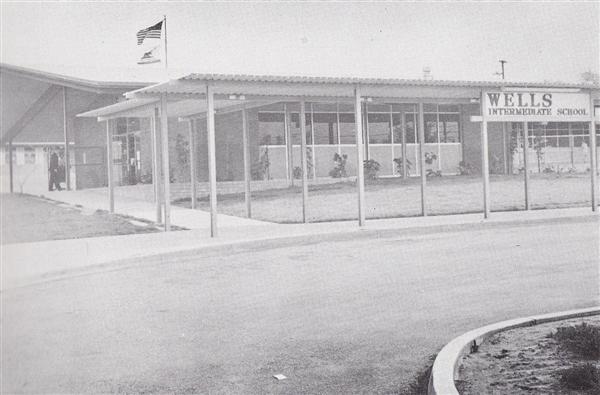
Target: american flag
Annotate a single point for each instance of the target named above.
(149, 32)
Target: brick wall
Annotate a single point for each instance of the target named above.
(471, 136)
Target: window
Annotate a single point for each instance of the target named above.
(347, 133)
(295, 128)
(411, 120)
(431, 131)
(448, 128)
(379, 128)
(133, 124)
(325, 128)
(29, 155)
(271, 128)
(125, 125)
(442, 120)
(121, 125)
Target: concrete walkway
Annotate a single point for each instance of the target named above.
(139, 208)
(26, 263)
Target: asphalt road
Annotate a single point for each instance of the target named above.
(354, 316)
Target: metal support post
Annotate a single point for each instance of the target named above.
(304, 160)
(212, 158)
(164, 134)
(247, 165)
(360, 171)
(421, 129)
(192, 125)
(109, 166)
(526, 164)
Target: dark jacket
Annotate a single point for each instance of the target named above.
(53, 162)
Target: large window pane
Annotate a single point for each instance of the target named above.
(411, 130)
(431, 133)
(379, 128)
(449, 129)
(564, 142)
(551, 141)
(133, 124)
(121, 125)
(427, 107)
(324, 107)
(579, 128)
(397, 125)
(448, 108)
(271, 128)
(404, 107)
(325, 128)
(371, 108)
(295, 128)
(347, 134)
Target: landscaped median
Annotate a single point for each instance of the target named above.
(446, 366)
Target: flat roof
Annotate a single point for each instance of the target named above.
(378, 81)
(186, 94)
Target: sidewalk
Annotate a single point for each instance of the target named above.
(31, 262)
(139, 208)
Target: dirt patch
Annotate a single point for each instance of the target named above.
(521, 361)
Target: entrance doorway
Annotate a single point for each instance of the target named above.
(127, 152)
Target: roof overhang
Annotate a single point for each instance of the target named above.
(187, 95)
(182, 108)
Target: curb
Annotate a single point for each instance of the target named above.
(445, 367)
(96, 263)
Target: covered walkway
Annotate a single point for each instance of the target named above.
(200, 98)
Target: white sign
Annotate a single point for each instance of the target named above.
(534, 106)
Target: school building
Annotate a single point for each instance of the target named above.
(249, 130)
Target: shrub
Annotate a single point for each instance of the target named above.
(339, 170)
(371, 167)
(496, 165)
(433, 173)
(584, 376)
(583, 339)
(400, 168)
(297, 173)
(430, 157)
(464, 168)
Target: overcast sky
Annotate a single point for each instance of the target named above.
(541, 41)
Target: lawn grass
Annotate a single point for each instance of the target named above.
(27, 218)
(394, 197)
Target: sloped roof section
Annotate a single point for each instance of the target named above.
(73, 82)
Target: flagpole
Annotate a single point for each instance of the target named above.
(165, 26)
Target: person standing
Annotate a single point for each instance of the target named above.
(53, 169)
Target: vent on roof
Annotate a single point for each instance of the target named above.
(427, 73)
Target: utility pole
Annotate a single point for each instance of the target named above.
(502, 66)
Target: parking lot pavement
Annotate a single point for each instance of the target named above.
(345, 316)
